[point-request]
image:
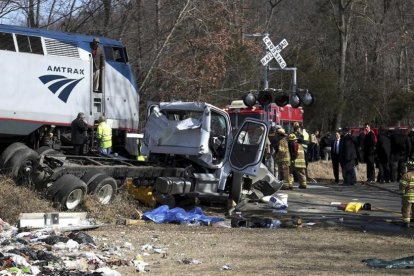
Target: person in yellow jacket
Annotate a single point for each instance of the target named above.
(407, 194)
(104, 135)
(297, 157)
(282, 157)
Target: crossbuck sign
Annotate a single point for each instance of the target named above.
(274, 52)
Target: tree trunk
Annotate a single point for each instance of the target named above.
(342, 23)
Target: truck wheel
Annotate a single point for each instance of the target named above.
(236, 187)
(23, 165)
(45, 150)
(9, 152)
(71, 193)
(103, 187)
(89, 177)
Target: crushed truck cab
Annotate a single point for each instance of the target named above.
(198, 136)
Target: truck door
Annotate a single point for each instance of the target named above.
(248, 147)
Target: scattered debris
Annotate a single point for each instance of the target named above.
(189, 261)
(164, 214)
(407, 262)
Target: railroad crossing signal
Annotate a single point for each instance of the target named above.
(274, 52)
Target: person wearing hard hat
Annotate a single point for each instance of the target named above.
(104, 135)
(298, 164)
(282, 157)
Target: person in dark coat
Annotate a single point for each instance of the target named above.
(348, 157)
(325, 146)
(79, 136)
(369, 143)
(98, 63)
(400, 149)
(335, 155)
(383, 151)
(411, 139)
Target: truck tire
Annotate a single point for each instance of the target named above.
(8, 153)
(236, 187)
(23, 166)
(45, 150)
(103, 187)
(71, 192)
(89, 177)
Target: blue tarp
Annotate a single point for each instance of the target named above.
(164, 214)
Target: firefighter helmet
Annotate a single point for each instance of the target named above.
(292, 137)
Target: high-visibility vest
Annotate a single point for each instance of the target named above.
(300, 160)
(407, 186)
(104, 134)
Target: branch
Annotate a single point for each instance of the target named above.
(176, 23)
(335, 15)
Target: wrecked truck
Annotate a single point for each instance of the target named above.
(190, 151)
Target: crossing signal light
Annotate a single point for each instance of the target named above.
(264, 98)
(249, 99)
(308, 98)
(295, 101)
(282, 99)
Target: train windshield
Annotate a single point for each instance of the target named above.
(117, 54)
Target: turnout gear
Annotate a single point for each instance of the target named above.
(282, 159)
(298, 164)
(407, 196)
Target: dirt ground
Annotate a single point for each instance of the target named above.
(212, 250)
(302, 251)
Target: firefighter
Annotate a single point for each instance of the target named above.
(282, 157)
(298, 164)
(407, 194)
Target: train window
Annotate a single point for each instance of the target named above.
(6, 42)
(29, 44)
(117, 54)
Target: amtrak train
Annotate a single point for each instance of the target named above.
(47, 79)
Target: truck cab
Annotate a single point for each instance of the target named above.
(199, 136)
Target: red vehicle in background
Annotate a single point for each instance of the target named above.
(284, 116)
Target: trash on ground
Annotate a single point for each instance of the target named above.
(130, 222)
(164, 214)
(226, 267)
(278, 201)
(255, 222)
(222, 224)
(48, 251)
(407, 262)
(189, 261)
(42, 220)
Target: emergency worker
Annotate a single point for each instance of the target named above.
(98, 63)
(407, 194)
(78, 133)
(282, 157)
(298, 164)
(104, 135)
